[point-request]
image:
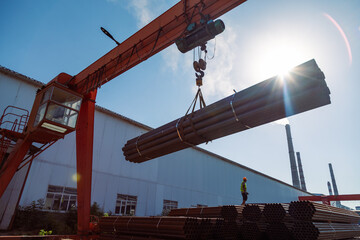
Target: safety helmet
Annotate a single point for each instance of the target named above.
(244, 178)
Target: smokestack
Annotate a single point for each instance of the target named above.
(294, 172)
(333, 180)
(301, 172)
(329, 187)
(334, 183)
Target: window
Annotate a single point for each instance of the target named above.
(59, 198)
(168, 205)
(65, 98)
(125, 205)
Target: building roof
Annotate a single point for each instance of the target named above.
(20, 76)
(143, 126)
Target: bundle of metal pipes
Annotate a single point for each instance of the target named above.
(230, 215)
(253, 212)
(311, 211)
(205, 228)
(280, 222)
(230, 231)
(204, 212)
(122, 227)
(279, 231)
(254, 225)
(320, 221)
(258, 221)
(216, 234)
(320, 230)
(227, 212)
(232, 212)
(275, 212)
(303, 89)
(253, 230)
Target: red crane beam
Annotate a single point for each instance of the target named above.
(329, 198)
(151, 39)
(84, 156)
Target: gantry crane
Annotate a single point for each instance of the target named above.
(67, 103)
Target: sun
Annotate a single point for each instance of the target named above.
(279, 60)
(277, 56)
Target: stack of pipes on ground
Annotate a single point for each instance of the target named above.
(275, 221)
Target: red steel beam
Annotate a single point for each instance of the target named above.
(21, 192)
(12, 163)
(154, 37)
(84, 156)
(151, 39)
(347, 197)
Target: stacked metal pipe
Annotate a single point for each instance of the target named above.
(280, 222)
(228, 219)
(227, 212)
(215, 233)
(258, 221)
(279, 231)
(304, 230)
(158, 227)
(254, 225)
(302, 90)
(205, 226)
(230, 230)
(252, 231)
(204, 212)
(253, 212)
(311, 211)
(275, 212)
(320, 221)
(232, 212)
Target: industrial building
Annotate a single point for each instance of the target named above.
(188, 178)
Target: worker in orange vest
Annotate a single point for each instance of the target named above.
(244, 192)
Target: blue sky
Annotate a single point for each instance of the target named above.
(42, 38)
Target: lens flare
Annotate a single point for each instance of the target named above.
(283, 121)
(342, 34)
(288, 106)
(75, 177)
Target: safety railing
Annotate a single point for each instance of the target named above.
(14, 119)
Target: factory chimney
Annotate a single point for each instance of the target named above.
(334, 183)
(329, 187)
(294, 172)
(333, 180)
(301, 172)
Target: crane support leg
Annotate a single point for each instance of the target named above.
(12, 163)
(84, 158)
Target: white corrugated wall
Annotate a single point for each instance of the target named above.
(190, 176)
